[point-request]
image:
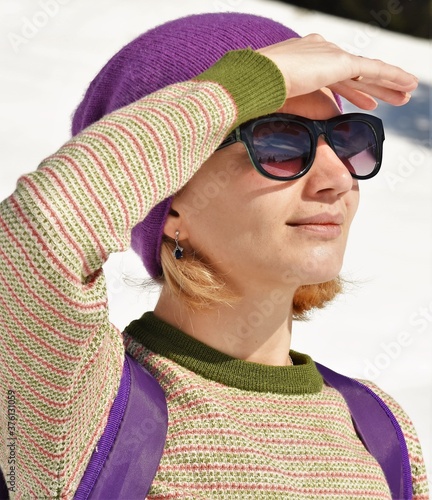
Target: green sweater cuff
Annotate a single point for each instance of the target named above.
(253, 80)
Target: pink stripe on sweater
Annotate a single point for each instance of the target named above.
(43, 452)
(43, 325)
(136, 146)
(107, 178)
(93, 196)
(74, 208)
(47, 283)
(45, 249)
(314, 493)
(344, 444)
(153, 134)
(43, 416)
(49, 436)
(43, 488)
(299, 456)
(30, 371)
(342, 436)
(199, 467)
(52, 403)
(165, 156)
(260, 409)
(36, 338)
(90, 445)
(337, 403)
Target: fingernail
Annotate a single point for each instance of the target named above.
(408, 95)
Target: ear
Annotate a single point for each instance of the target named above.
(175, 222)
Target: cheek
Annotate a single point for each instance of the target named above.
(220, 186)
(212, 203)
(209, 198)
(231, 216)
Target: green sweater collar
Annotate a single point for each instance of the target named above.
(162, 338)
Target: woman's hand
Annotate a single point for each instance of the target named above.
(311, 63)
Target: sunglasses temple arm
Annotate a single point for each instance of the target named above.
(230, 139)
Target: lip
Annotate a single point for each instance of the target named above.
(325, 226)
(319, 219)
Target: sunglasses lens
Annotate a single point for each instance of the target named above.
(355, 144)
(282, 148)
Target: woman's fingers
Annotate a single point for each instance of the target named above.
(384, 81)
(360, 99)
(363, 94)
(389, 75)
(311, 63)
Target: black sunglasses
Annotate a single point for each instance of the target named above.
(283, 146)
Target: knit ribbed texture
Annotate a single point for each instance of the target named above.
(60, 355)
(261, 76)
(159, 337)
(239, 437)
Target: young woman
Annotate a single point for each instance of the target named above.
(215, 145)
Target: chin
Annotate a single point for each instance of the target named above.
(308, 278)
(316, 271)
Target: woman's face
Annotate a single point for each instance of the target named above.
(262, 232)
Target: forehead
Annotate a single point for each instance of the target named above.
(318, 105)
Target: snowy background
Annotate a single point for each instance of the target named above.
(381, 329)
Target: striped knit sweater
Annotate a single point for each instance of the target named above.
(61, 357)
(243, 430)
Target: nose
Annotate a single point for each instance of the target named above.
(328, 175)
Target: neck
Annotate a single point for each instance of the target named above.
(256, 329)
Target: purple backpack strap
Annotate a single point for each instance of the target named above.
(129, 451)
(378, 429)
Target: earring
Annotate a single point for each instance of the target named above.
(178, 250)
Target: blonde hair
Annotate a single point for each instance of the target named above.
(201, 286)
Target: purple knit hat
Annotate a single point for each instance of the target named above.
(173, 52)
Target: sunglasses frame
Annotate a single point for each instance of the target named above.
(315, 128)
